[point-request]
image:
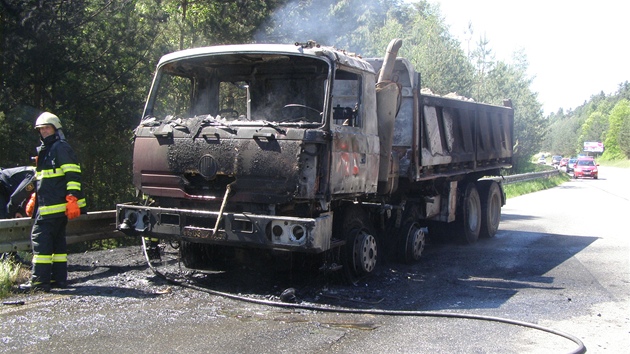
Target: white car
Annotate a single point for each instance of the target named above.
(542, 161)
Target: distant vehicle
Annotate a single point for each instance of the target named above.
(542, 161)
(555, 160)
(585, 167)
(564, 161)
(571, 164)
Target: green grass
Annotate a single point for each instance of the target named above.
(10, 273)
(615, 163)
(520, 188)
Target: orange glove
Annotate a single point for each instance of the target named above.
(30, 206)
(72, 208)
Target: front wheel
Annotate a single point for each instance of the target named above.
(360, 252)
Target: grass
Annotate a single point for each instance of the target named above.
(615, 163)
(11, 273)
(520, 188)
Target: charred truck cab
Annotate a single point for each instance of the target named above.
(305, 149)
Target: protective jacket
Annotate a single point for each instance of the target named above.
(16, 186)
(58, 175)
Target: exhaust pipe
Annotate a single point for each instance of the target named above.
(388, 99)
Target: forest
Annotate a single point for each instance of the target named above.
(91, 63)
(603, 118)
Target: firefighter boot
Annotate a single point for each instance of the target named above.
(35, 286)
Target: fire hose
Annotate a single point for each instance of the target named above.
(581, 348)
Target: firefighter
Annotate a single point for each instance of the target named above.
(57, 199)
(16, 186)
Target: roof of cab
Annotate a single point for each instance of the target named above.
(289, 49)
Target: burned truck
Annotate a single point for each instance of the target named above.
(312, 151)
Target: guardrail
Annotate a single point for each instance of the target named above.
(529, 176)
(15, 234)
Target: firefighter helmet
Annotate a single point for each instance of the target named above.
(47, 118)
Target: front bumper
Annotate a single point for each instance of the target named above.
(276, 232)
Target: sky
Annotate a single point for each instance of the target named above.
(575, 49)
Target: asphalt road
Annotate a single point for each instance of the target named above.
(561, 259)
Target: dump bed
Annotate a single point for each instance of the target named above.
(444, 136)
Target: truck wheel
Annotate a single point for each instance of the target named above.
(469, 224)
(193, 255)
(360, 253)
(412, 243)
(490, 210)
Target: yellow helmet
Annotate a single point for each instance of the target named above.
(48, 118)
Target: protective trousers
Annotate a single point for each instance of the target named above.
(50, 259)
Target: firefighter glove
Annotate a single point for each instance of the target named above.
(30, 206)
(72, 208)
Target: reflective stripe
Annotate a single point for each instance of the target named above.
(75, 186)
(57, 172)
(60, 258)
(71, 167)
(59, 208)
(52, 209)
(42, 259)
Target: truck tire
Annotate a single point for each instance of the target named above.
(360, 253)
(469, 224)
(490, 209)
(412, 242)
(194, 255)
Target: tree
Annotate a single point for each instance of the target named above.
(618, 115)
(594, 128)
(510, 81)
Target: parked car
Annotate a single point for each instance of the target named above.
(585, 167)
(563, 162)
(542, 161)
(555, 160)
(571, 164)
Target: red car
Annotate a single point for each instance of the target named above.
(564, 161)
(585, 168)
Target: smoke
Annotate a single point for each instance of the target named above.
(339, 23)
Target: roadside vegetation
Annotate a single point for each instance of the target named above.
(11, 272)
(520, 188)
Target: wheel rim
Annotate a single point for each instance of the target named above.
(417, 238)
(365, 252)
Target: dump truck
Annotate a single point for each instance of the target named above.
(312, 151)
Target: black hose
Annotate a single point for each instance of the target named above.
(579, 350)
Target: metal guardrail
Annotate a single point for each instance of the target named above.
(529, 176)
(15, 234)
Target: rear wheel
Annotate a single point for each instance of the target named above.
(490, 210)
(469, 223)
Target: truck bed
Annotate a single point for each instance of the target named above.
(436, 136)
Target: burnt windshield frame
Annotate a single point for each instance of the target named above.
(269, 82)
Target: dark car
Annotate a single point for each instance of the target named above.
(555, 160)
(571, 164)
(586, 168)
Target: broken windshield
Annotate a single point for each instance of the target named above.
(242, 87)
